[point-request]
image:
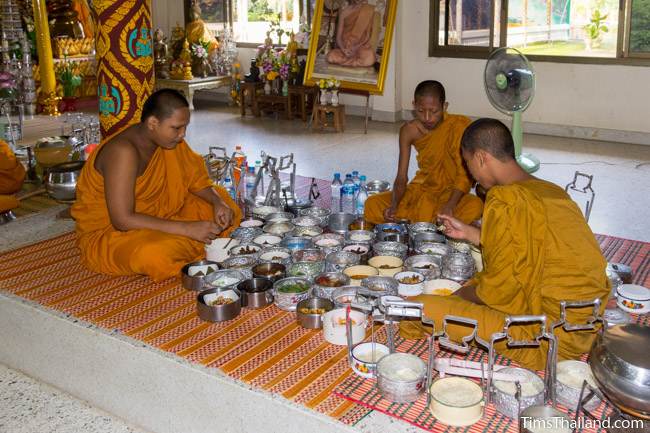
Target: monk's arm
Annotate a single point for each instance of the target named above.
(448, 208)
(401, 180)
(468, 293)
(222, 212)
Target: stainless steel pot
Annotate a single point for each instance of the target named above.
(196, 282)
(621, 366)
(256, 292)
(218, 313)
(61, 180)
(309, 320)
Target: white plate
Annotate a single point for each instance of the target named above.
(431, 286)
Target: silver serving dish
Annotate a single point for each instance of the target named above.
(359, 237)
(278, 228)
(243, 264)
(395, 249)
(306, 221)
(318, 212)
(506, 403)
(295, 243)
(345, 295)
(61, 180)
(401, 377)
(312, 320)
(458, 267)
(339, 222)
(246, 234)
(428, 265)
(337, 279)
(308, 255)
(434, 248)
(276, 255)
(328, 242)
(270, 271)
(261, 212)
(256, 292)
(306, 270)
(224, 278)
(377, 186)
(196, 282)
(621, 366)
(245, 249)
(361, 250)
(279, 217)
(339, 260)
(288, 300)
(381, 285)
(308, 232)
(218, 313)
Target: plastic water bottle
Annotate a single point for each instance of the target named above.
(347, 195)
(336, 193)
(230, 187)
(240, 160)
(357, 181)
(249, 182)
(361, 197)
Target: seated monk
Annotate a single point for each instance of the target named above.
(537, 251)
(12, 175)
(356, 35)
(145, 204)
(441, 185)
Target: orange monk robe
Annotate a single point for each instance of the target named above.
(537, 251)
(164, 190)
(440, 172)
(12, 175)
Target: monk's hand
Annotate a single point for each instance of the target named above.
(389, 214)
(222, 214)
(453, 227)
(203, 231)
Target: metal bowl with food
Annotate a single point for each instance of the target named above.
(346, 295)
(361, 224)
(377, 186)
(261, 212)
(308, 255)
(318, 212)
(420, 238)
(434, 248)
(328, 242)
(361, 250)
(532, 391)
(422, 227)
(401, 377)
(278, 228)
(61, 180)
(426, 264)
(306, 221)
(390, 229)
(247, 249)
(256, 292)
(193, 274)
(309, 312)
(246, 235)
(288, 292)
(251, 223)
(340, 260)
(295, 243)
(243, 264)
(267, 240)
(271, 271)
(339, 222)
(396, 249)
(458, 266)
(327, 282)
(570, 375)
(218, 304)
(276, 255)
(381, 285)
(307, 231)
(279, 217)
(360, 237)
(306, 270)
(224, 278)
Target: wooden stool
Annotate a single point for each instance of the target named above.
(249, 92)
(304, 98)
(319, 117)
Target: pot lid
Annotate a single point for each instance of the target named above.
(629, 343)
(634, 292)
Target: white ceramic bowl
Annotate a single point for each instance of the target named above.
(334, 329)
(633, 298)
(216, 251)
(267, 240)
(386, 265)
(456, 401)
(251, 223)
(359, 272)
(410, 289)
(441, 287)
(365, 357)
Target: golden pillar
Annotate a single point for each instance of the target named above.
(125, 73)
(47, 97)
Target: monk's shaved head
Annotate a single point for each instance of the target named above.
(430, 88)
(162, 104)
(490, 135)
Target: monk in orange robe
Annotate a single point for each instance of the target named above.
(441, 184)
(356, 35)
(12, 175)
(537, 251)
(145, 203)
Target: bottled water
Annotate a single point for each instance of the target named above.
(249, 183)
(347, 195)
(336, 193)
(357, 180)
(240, 160)
(361, 197)
(230, 187)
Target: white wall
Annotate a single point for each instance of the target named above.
(166, 14)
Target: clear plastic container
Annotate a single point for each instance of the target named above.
(361, 197)
(336, 193)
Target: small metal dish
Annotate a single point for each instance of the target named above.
(306, 270)
(392, 230)
(308, 231)
(279, 217)
(377, 186)
(338, 222)
(309, 319)
(426, 264)
(460, 246)
(251, 223)
(224, 278)
(381, 285)
(306, 221)
(361, 250)
(243, 264)
(435, 248)
(395, 249)
(359, 237)
(346, 295)
(327, 282)
(276, 255)
(267, 240)
(197, 282)
(248, 249)
(261, 212)
(270, 271)
(308, 255)
(278, 228)
(361, 224)
(246, 234)
(329, 242)
(256, 292)
(422, 227)
(288, 292)
(218, 313)
(339, 260)
(296, 243)
(427, 237)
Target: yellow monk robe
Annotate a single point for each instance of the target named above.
(440, 171)
(537, 251)
(12, 175)
(164, 190)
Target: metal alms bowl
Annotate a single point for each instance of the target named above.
(196, 282)
(377, 186)
(256, 292)
(621, 366)
(50, 151)
(310, 320)
(218, 313)
(61, 180)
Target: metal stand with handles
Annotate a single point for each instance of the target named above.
(586, 189)
(218, 164)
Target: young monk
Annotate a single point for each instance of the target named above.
(145, 203)
(441, 184)
(12, 175)
(537, 251)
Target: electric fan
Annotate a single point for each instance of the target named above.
(510, 86)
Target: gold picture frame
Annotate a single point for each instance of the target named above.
(351, 64)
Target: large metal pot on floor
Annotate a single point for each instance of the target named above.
(620, 363)
(61, 180)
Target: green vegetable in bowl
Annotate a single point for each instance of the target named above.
(293, 288)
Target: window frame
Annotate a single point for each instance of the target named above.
(623, 55)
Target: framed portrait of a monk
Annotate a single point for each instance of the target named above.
(350, 40)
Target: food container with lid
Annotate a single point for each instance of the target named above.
(224, 278)
(346, 295)
(279, 217)
(365, 357)
(328, 242)
(441, 287)
(386, 265)
(310, 311)
(426, 264)
(359, 272)
(326, 283)
(410, 283)
(267, 240)
(296, 243)
(633, 298)
(338, 222)
(276, 255)
(217, 250)
(306, 221)
(243, 264)
(361, 250)
(271, 271)
(434, 248)
(287, 292)
(334, 329)
(458, 266)
(193, 274)
(218, 304)
(246, 234)
(340, 260)
(570, 375)
(359, 237)
(280, 228)
(306, 270)
(381, 285)
(317, 212)
(251, 223)
(308, 231)
(308, 255)
(256, 292)
(401, 377)
(532, 391)
(396, 249)
(456, 401)
(251, 249)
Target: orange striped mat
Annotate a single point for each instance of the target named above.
(265, 348)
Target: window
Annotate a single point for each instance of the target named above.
(564, 30)
(252, 19)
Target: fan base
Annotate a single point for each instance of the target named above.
(528, 162)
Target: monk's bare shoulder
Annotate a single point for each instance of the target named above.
(411, 131)
(119, 151)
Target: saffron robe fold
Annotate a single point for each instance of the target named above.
(537, 251)
(440, 172)
(12, 175)
(165, 190)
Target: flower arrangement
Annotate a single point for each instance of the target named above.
(275, 64)
(201, 50)
(329, 83)
(69, 78)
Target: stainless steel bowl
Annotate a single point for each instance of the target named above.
(278, 217)
(270, 271)
(61, 180)
(196, 282)
(312, 320)
(276, 255)
(306, 221)
(339, 260)
(393, 382)
(224, 278)
(361, 250)
(392, 231)
(433, 248)
(308, 255)
(381, 285)
(256, 292)
(328, 242)
(339, 222)
(458, 267)
(428, 265)
(308, 231)
(243, 250)
(327, 282)
(281, 228)
(505, 401)
(377, 186)
(360, 237)
(243, 264)
(218, 313)
(395, 249)
(427, 237)
(318, 212)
